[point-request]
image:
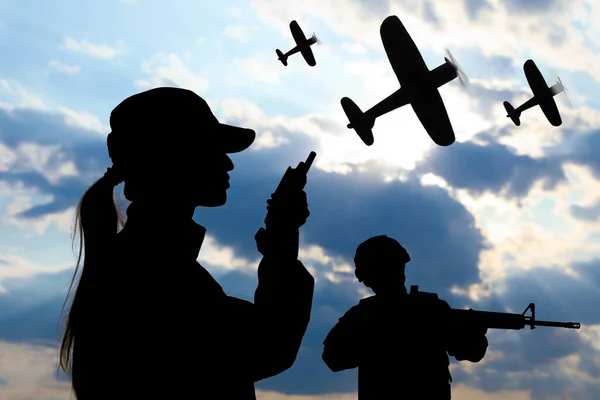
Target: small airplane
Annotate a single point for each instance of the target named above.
(419, 87)
(302, 45)
(542, 96)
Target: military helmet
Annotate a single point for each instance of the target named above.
(375, 254)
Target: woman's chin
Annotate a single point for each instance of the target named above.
(216, 200)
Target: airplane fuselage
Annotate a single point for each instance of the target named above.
(442, 74)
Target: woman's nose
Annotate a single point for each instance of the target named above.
(228, 164)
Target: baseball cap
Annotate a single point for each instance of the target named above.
(168, 117)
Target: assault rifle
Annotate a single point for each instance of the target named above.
(498, 320)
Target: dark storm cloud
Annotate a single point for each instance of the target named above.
(379, 8)
(476, 7)
(84, 148)
(558, 297)
(30, 309)
(345, 210)
(429, 14)
(531, 6)
(488, 100)
(581, 148)
(492, 167)
(591, 213)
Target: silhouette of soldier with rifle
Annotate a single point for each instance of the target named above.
(400, 342)
(147, 320)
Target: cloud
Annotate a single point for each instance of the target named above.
(21, 97)
(581, 149)
(534, 6)
(475, 7)
(169, 70)
(552, 37)
(354, 48)
(28, 372)
(94, 50)
(38, 364)
(238, 32)
(51, 157)
(256, 70)
(591, 213)
(84, 120)
(546, 361)
(392, 208)
(67, 69)
(403, 209)
(498, 169)
(354, 20)
(340, 203)
(12, 267)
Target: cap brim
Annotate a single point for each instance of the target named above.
(234, 139)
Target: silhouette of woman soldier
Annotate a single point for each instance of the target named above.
(147, 321)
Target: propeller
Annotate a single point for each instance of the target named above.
(462, 77)
(316, 38)
(564, 90)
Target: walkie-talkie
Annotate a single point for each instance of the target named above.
(294, 179)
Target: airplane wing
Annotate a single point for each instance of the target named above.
(404, 56)
(308, 55)
(548, 106)
(536, 81)
(302, 43)
(541, 92)
(432, 113)
(297, 33)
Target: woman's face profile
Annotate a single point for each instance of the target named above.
(207, 179)
(197, 171)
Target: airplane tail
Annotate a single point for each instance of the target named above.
(358, 121)
(281, 57)
(512, 113)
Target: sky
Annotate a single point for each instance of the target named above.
(504, 217)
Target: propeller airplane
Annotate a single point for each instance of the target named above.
(419, 87)
(542, 96)
(302, 45)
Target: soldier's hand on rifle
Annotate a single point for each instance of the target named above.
(288, 210)
(477, 330)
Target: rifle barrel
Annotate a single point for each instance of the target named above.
(569, 325)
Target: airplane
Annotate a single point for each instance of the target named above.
(302, 45)
(419, 87)
(542, 96)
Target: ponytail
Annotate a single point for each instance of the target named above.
(97, 221)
